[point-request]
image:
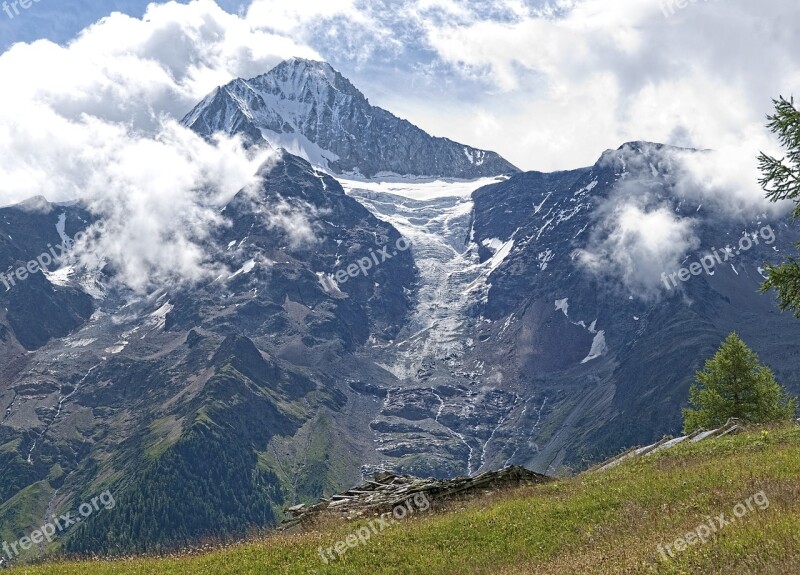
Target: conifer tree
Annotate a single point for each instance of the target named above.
(734, 384)
(781, 180)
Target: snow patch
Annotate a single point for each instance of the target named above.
(329, 283)
(493, 244)
(599, 347)
(81, 342)
(61, 226)
(60, 277)
(501, 255)
(245, 269)
(116, 348)
(92, 286)
(475, 157)
(537, 209)
(298, 145)
(545, 258)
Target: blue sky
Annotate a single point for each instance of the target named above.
(61, 20)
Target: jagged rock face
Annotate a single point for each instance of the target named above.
(313, 111)
(516, 353)
(32, 310)
(600, 369)
(246, 372)
(40, 311)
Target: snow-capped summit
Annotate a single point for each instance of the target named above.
(311, 110)
(300, 78)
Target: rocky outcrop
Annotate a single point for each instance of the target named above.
(732, 426)
(386, 491)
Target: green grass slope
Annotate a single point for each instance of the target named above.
(595, 523)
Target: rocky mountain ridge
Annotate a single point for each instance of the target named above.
(313, 111)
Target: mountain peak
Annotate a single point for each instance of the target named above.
(300, 78)
(307, 64)
(308, 108)
(35, 204)
(305, 67)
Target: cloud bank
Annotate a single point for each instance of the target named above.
(649, 222)
(96, 120)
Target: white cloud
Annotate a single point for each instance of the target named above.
(160, 199)
(129, 70)
(293, 17)
(647, 224)
(726, 181)
(296, 222)
(563, 85)
(351, 29)
(636, 237)
(97, 120)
